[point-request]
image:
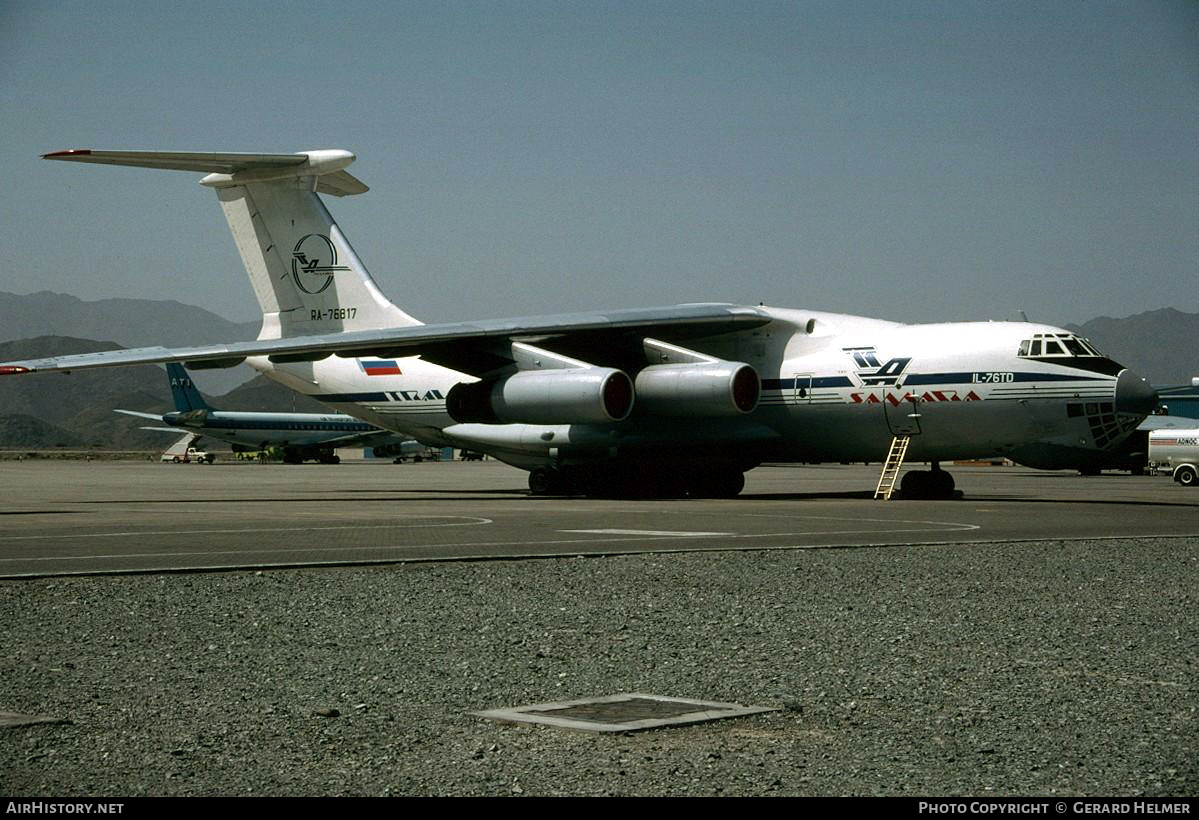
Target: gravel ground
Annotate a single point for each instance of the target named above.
(1050, 668)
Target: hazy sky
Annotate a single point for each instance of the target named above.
(908, 160)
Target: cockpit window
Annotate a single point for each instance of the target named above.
(1057, 344)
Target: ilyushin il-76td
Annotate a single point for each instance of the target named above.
(676, 400)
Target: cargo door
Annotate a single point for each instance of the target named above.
(801, 393)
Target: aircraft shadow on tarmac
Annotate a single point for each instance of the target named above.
(41, 512)
(522, 496)
(988, 498)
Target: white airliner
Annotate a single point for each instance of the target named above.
(301, 436)
(679, 399)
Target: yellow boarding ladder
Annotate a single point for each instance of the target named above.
(886, 481)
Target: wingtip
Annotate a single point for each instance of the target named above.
(13, 370)
(74, 152)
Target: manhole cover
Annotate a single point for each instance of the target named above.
(627, 712)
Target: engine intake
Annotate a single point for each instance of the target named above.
(592, 395)
(705, 389)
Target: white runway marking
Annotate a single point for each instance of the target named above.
(673, 533)
(468, 550)
(452, 521)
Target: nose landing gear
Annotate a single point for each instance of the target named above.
(928, 484)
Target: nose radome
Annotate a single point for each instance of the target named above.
(1134, 396)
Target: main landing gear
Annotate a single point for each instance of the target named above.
(712, 482)
(928, 484)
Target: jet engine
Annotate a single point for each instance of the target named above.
(703, 389)
(591, 395)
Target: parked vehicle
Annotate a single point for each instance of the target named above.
(1176, 452)
(192, 456)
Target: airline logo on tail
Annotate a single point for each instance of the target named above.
(313, 263)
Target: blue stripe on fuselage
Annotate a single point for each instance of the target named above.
(334, 398)
(816, 381)
(966, 377)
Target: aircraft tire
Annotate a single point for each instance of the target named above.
(622, 483)
(732, 484)
(914, 484)
(927, 484)
(718, 484)
(657, 484)
(546, 481)
(941, 484)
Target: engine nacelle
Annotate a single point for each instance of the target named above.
(698, 390)
(591, 395)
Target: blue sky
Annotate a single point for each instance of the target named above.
(912, 161)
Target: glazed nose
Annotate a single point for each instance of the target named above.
(1134, 396)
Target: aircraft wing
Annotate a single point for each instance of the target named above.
(468, 347)
(155, 416)
(363, 439)
(1168, 423)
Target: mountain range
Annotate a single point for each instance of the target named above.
(129, 323)
(76, 410)
(1161, 345)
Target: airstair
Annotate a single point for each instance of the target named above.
(886, 481)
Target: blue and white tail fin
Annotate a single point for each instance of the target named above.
(306, 276)
(183, 390)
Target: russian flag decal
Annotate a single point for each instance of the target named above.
(386, 367)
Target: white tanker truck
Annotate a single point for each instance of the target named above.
(1176, 452)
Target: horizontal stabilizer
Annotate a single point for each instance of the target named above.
(228, 169)
(155, 416)
(206, 161)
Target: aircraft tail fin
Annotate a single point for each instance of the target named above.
(305, 274)
(183, 390)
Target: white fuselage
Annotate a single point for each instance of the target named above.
(834, 388)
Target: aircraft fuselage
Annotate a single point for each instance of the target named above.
(834, 387)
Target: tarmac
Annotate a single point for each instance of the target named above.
(325, 630)
(101, 517)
